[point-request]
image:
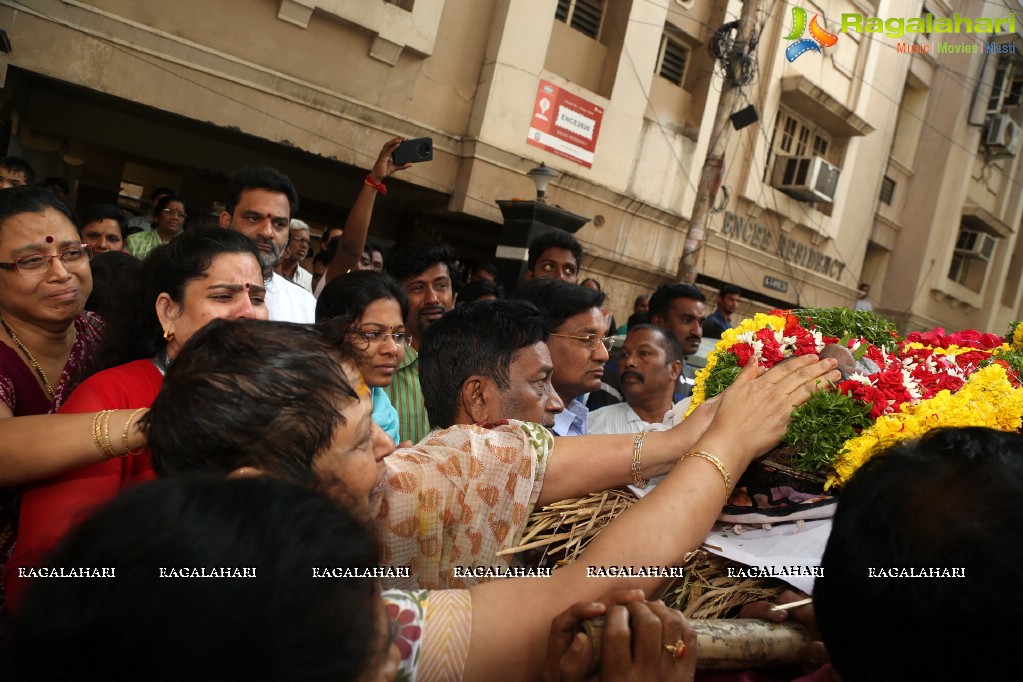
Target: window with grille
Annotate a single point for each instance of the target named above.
(887, 190)
(973, 250)
(1007, 90)
(585, 16)
(674, 56)
(795, 137)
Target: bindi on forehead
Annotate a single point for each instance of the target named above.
(49, 239)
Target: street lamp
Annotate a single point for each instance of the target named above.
(542, 176)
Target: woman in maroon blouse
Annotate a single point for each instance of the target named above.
(45, 337)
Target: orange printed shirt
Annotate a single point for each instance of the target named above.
(457, 498)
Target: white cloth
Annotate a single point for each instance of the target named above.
(618, 418)
(790, 551)
(288, 302)
(143, 221)
(303, 278)
(862, 304)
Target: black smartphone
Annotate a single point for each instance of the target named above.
(413, 151)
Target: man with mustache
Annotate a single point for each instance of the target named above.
(261, 201)
(679, 310)
(425, 273)
(650, 364)
(578, 345)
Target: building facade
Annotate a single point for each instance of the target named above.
(617, 96)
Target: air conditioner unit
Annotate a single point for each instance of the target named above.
(808, 178)
(974, 244)
(1003, 136)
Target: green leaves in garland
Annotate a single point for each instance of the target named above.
(821, 426)
(845, 323)
(722, 374)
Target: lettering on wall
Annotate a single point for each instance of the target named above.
(789, 249)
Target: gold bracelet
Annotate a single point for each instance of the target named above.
(101, 433)
(127, 426)
(96, 431)
(106, 434)
(717, 463)
(637, 454)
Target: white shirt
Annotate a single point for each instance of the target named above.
(862, 304)
(288, 302)
(619, 418)
(143, 221)
(303, 278)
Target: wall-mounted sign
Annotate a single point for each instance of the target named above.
(775, 283)
(789, 249)
(564, 124)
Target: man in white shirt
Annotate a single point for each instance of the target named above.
(290, 265)
(862, 302)
(260, 204)
(649, 364)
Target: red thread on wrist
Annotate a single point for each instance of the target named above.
(378, 186)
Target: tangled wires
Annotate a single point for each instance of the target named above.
(738, 60)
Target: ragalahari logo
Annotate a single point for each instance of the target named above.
(818, 36)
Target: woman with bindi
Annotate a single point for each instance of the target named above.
(168, 222)
(205, 275)
(46, 339)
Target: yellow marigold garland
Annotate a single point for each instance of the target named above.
(986, 399)
(1017, 335)
(951, 350)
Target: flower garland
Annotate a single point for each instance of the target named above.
(988, 398)
(899, 388)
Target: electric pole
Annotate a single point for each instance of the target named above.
(738, 59)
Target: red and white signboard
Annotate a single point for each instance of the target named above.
(564, 124)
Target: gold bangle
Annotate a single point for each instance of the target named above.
(96, 431)
(106, 434)
(637, 454)
(717, 463)
(101, 433)
(127, 426)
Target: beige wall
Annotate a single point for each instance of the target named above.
(335, 79)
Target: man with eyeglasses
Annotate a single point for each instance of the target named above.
(290, 265)
(578, 346)
(260, 204)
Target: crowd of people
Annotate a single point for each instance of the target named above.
(316, 474)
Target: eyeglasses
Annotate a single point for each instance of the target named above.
(374, 337)
(591, 341)
(174, 214)
(71, 254)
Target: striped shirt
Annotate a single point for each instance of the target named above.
(618, 418)
(407, 397)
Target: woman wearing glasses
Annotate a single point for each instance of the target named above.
(366, 310)
(205, 275)
(46, 339)
(168, 222)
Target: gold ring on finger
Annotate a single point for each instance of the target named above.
(677, 650)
